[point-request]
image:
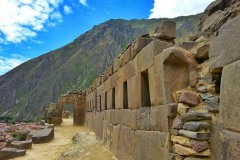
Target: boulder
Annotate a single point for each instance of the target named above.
(189, 98)
(224, 48)
(21, 144)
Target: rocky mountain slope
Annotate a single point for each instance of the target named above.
(26, 90)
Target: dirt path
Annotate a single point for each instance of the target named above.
(61, 143)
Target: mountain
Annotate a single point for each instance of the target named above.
(27, 89)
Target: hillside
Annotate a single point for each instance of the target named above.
(26, 90)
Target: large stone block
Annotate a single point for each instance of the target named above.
(99, 125)
(116, 64)
(108, 84)
(43, 135)
(146, 56)
(143, 115)
(9, 153)
(129, 118)
(125, 57)
(104, 101)
(161, 117)
(153, 87)
(115, 139)
(229, 97)
(224, 49)
(126, 143)
(151, 145)
(166, 30)
(138, 44)
(21, 144)
(121, 75)
(131, 68)
(229, 145)
(134, 92)
(121, 99)
(172, 68)
(114, 79)
(111, 99)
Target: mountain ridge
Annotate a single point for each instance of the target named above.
(27, 89)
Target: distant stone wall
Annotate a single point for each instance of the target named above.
(77, 99)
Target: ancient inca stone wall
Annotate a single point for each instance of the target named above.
(77, 99)
(143, 106)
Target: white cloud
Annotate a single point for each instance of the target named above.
(174, 8)
(84, 2)
(21, 19)
(67, 9)
(7, 64)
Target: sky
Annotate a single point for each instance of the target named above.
(30, 28)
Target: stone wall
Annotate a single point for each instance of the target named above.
(147, 106)
(77, 99)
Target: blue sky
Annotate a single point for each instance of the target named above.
(29, 28)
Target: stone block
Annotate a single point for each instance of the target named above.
(185, 151)
(111, 99)
(114, 79)
(196, 126)
(181, 140)
(43, 135)
(151, 145)
(134, 92)
(161, 117)
(195, 116)
(115, 117)
(98, 125)
(125, 57)
(99, 104)
(229, 97)
(143, 116)
(195, 135)
(126, 142)
(199, 146)
(27, 144)
(57, 113)
(229, 145)
(171, 63)
(146, 56)
(104, 101)
(9, 153)
(121, 99)
(115, 139)
(189, 98)
(138, 44)
(131, 69)
(194, 77)
(109, 71)
(166, 30)
(224, 49)
(116, 65)
(129, 118)
(55, 120)
(108, 84)
(121, 75)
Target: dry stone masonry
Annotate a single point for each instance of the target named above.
(165, 101)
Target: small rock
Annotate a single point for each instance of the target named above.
(181, 140)
(196, 126)
(212, 104)
(202, 89)
(201, 52)
(199, 146)
(177, 123)
(208, 79)
(195, 135)
(195, 116)
(193, 78)
(205, 95)
(182, 108)
(185, 151)
(174, 132)
(189, 98)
